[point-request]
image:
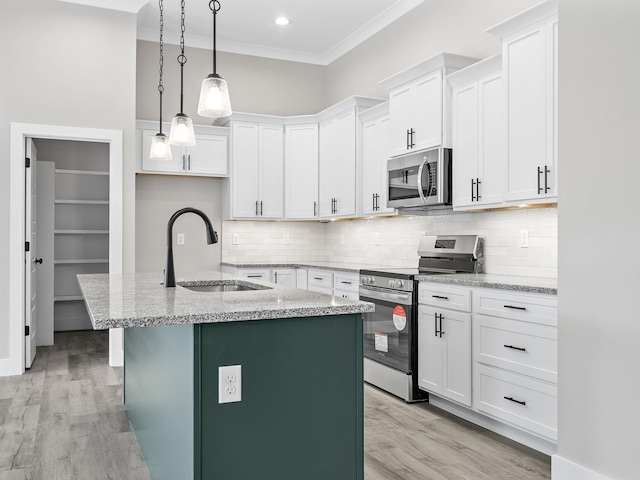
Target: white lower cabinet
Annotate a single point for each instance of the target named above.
(263, 274)
(444, 348)
(515, 359)
(346, 285)
(320, 281)
(284, 276)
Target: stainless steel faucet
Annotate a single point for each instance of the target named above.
(212, 237)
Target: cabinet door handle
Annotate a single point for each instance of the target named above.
(521, 349)
(546, 172)
(315, 208)
(478, 182)
(38, 260)
(260, 207)
(440, 296)
(184, 162)
(515, 307)
(539, 186)
(256, 208)
(412, 134)
(189, 162)
(276, 275)
(473, 184)
(435, 324)
(441, 331)
(511, 399)
(408, 143)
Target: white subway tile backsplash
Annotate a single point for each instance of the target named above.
(355, 241)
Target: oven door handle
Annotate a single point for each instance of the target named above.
(404, 298)
(422, 197)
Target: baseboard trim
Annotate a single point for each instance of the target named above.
(563, 469)
(5, 368)
(545, 446)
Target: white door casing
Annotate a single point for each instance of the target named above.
(19, 132)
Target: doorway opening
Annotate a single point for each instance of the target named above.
(87, 187)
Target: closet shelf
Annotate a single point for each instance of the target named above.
(81, 232)
(67, 298)
(80, 202)
(80, 261)
(61, 171)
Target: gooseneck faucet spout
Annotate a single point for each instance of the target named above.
(212, 237)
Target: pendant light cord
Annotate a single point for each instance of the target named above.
(214, 5)
(181, 58)
(161, 62)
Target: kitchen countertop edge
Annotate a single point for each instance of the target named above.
(499, 282)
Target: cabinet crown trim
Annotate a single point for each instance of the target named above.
(425, 67)
(473, 72)
(530, 16)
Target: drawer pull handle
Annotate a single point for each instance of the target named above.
(318, 278)
(440, 296)
(254, 276)
(346, 283)
(511, 399)
(516, 348)
(514, 307)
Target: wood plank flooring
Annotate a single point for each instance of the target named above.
(64, 419)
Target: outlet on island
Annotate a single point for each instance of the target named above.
(230, 384)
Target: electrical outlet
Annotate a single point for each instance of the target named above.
(285, 239)
(230, 384)
(235, 238)
(524, 238)
(376, 238)
(180, 239)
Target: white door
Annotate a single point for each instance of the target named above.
(271, 178)
(301, 171)
(30, 313)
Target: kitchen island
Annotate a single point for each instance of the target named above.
(300, 413)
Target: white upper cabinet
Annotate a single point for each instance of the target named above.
(529, 49)
(340, 183)
(208, 157)
(478, 135)
(420, 104)
(376, 150)
(301, 171)
(257, 161)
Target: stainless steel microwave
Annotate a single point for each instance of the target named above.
(420, 180)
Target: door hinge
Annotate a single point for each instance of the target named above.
(27, 246)
(26, 330)
(27, 162)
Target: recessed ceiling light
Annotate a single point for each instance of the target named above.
(282, 21)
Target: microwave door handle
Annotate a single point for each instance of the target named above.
(422, 197)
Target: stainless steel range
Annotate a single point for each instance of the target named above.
(391, 332)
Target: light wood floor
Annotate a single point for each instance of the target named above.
(64, 420)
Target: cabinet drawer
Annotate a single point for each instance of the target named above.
(533, 308)
(517, 346)
(320, 278)
(256, 274)
(347, 282)
(446, 296)
(518, 400)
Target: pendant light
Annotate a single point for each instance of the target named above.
(160, 148)
(181, 125)
(214, 94)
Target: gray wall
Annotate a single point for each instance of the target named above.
(598, 266)
(157, 198)
(454, 26)
(65, 65)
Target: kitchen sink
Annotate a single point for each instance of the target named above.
(222, 286)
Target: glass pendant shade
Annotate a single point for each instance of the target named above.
(182, 131)
(214, 97)
(160, 148)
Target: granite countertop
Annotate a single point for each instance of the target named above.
(338, 266)
(499, 282)
(138, 300)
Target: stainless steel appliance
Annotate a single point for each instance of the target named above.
(421, 180)
(391, 332)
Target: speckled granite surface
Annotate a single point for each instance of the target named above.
(500, 282)
(339, 266)
(140, 300)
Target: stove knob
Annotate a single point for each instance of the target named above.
(399, 284)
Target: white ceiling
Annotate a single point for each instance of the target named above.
(320, 31)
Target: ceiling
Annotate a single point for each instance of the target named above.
(319, 32)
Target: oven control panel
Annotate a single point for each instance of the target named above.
(385, 282)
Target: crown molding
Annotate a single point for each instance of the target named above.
(129, 6)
